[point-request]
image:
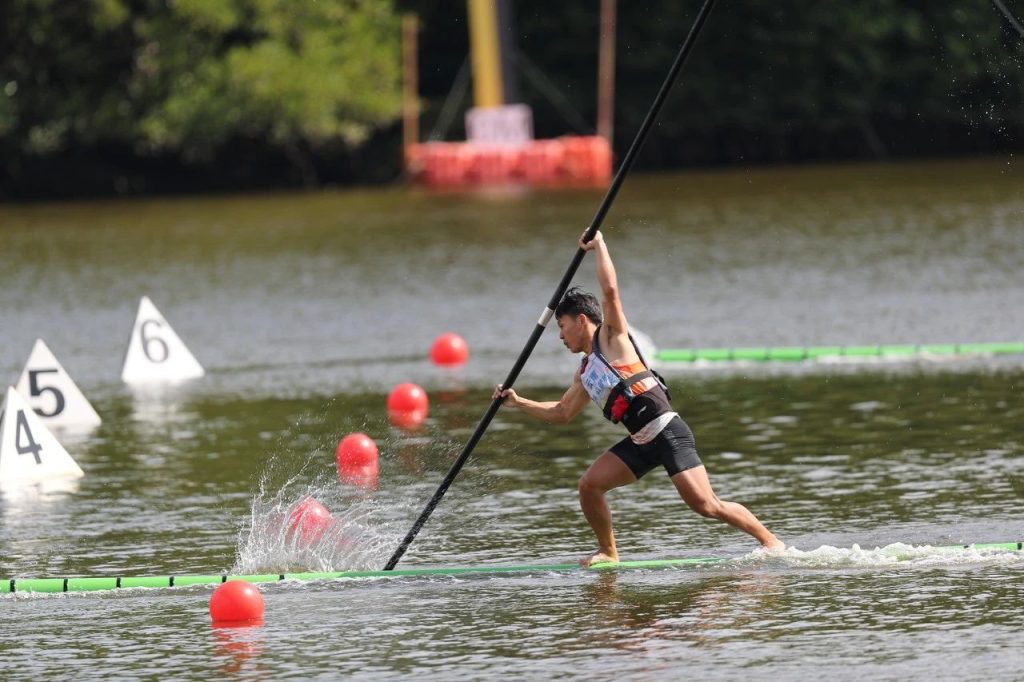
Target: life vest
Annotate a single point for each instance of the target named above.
(613, 391)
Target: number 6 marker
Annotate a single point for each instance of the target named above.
(155, 353)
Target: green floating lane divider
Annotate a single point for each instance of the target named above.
(800, 353)
(59, 585)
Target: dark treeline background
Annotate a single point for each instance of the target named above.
(103, 97)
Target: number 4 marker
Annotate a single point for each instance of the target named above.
(28, 451)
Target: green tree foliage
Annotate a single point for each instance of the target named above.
(183, 77)
(227, 84)
(899, 74)
(775, 80)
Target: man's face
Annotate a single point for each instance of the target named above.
(572, 331)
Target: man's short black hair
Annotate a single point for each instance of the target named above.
(576, 301)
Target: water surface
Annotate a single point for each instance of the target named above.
(305, 309)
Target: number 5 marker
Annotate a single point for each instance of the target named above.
(51, 392)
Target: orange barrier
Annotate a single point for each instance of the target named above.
(491, 165)
(541, 162)
(586, 159)
(562, 161)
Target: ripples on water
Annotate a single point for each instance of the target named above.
(306, 309)
(863, 461)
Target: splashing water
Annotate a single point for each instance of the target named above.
(829, 557)
(286, 532)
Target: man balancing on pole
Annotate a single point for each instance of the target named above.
(615, 377)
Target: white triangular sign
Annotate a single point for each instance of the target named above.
(51, 392)
(28, 451)
(155, 352)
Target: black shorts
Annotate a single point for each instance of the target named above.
(673, 448)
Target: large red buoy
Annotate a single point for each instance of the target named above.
(310, 520)
(357, 459)
(356, 450)
(449, 350)
(407, 420)
(363, 477)
(407, 405)
(407, 398)
(236, 601)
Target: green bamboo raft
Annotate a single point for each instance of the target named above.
(801, 353)
(57, 585)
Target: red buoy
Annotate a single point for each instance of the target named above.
(236, 601)
(357, 459)
(407, 398)
(356, 450)
(310, 520)
(407, 420)
(407, 405)
(449, 350)
(362, 477)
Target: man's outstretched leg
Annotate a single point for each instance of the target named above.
(695, 489)
(607, 472)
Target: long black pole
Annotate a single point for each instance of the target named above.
(602, 211)
(1009, 16)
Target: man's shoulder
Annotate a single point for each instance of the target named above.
(609, 334)
(618, 348)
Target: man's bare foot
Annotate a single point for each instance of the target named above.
(599, 557)
(775, 545)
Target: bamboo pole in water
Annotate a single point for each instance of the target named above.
(410, 83)
(606, 72)
(97, 584)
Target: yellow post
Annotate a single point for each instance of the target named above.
(483, 40)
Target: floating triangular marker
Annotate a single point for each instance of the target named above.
(155, 352)
(28, 451)
(51, 392)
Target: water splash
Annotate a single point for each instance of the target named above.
(283, 533)
(827, 556)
